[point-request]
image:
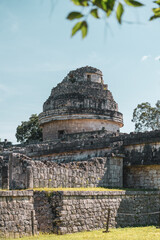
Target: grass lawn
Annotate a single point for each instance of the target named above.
(83, 189)
(76, 189)
(137, 233)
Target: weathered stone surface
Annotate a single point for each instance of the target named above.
(80, 103)
(72, 211)
(79, 149)
(16, 209)
(85, 149)
(145, 177)
(102, 172)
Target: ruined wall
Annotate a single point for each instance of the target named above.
(93, 77)
(17, 215)
(145, 177)
(142, 160)
(142, 154)
(82, 211)
(4, 170)
(44, 212)
(20, 171)
(73, 156)
(104, 172)
(1, 163)
(75, 147)
(95, 172)
(73, 211)
(141, 149)
(52, 129)
(83, 98)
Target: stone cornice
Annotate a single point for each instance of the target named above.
(49, 116)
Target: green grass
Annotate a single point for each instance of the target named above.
(76, 189)
(83, 189)
(137, 233)
(91, 189)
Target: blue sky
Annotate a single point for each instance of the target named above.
(36, 53)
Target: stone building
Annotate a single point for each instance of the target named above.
(80, 103)
(82, 147)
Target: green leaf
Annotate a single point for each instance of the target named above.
(74, 15)
(119, 12)
(133, 3)
(156, 10)
(80, 2)
(84, 29)
(97, 3)
(110, 6)
(108, 13)
(104, 5)
(94, 13)
(76, 28)
(80, 26)
(158, 2)
(154, 17)
(156, 13)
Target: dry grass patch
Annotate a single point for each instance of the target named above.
(138, 233)
(76, 189)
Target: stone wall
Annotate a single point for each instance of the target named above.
(82, 211)
(142, 160)
(74, 211)
(26, 173)
(56, 129)
(17, 215)
(44, 211)
(142, 154)
(20, 171)
(140, 149)
(4, 170)
(1, 164)
(145, 177)
(74, 147)
(102, 172)
(73, 156)
(88, 102)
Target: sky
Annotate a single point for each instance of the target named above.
(37, 52)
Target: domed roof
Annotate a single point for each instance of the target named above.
(80, 73)
(82, 91)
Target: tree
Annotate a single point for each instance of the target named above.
(146, 117)
(94, 7)
(29, 130)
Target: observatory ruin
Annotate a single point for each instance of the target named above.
(80, 103)
(82, 148)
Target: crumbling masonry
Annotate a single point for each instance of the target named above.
(82, 147)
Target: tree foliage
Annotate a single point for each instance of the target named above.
(146, 117)
(29, 131)
(94, 7)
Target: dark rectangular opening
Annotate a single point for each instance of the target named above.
(88, 77)
(60, 133)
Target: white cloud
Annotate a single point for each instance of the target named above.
(157, 58)
(144, 58)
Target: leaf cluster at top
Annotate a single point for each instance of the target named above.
(94, 7)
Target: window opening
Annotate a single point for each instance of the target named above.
(60, 133)
(88, 77)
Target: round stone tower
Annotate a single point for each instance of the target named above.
(80, 103)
